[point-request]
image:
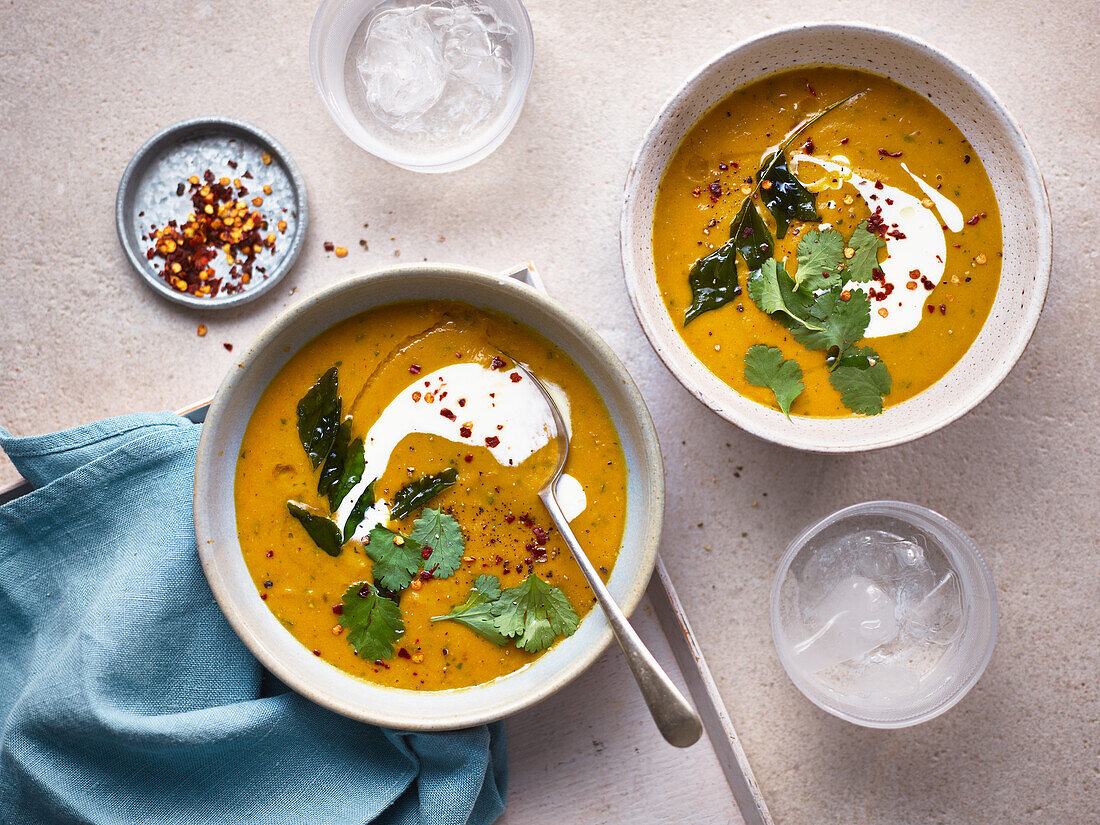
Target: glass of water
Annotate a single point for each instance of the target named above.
(428, 85)
(884, 613)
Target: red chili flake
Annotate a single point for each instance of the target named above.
(966, 158)
(539, 553)
(943, 309)
(896, 233)
(974, 220)
(416, 396)
(715, 189)
(415, 369)
(425, 575)
(914, 274)
(329, 246)
(722, 167)
(270, 553)
(889, 201)
(468, 458)
(465, 432)
(446, 413)
(885, 154)
(496, 363)
(696, 192)
(509, 518)
(844, 141)
(181, 188)
(316, 653)
(403, 654)
(526, 520)
(462, 402)
(516, 377)
(811, 89)
(338, 609)
(540, 535)
(492, 441)
(808, 146)
(228, 347)
(364, 591)
(263, 596)
(426, 553)
(931, 309)
(878, 185)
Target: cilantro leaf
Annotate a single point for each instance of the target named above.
(478, 612)
(319, 417)
(713, 281)
(842, 323)
(416, 494)
(321, 529)
(819, 255)
(396, 558)
(751, 235)
(535, 614)
(773, 291)
(439, 532)
(765, 367)
(786, 198)
(355, 517)
(862, 379)
(373, 622)
(864, 262)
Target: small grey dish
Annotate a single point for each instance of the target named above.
(147, 196)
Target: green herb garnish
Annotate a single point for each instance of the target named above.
(765, 367)
(439, 532)
(477, 612)
(319, 417)
(750, 235)
(862, 379)
(865, 244)
(416, 494)
(773, 291)
(820, 257)
(321, 529)
(365, 502)
(533, 614)
(713, 281)
(396, 558)
(786, 198)
(842, 322)
(373, 622)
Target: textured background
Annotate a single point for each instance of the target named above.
(82, 85)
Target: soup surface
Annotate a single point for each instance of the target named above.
(884, 167)
(456, 441)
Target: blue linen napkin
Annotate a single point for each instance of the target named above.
(126, 697)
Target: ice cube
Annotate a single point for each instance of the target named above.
(855, 618)
(400, 67)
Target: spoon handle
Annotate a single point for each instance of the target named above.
(674, 715)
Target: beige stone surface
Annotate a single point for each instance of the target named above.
(83, 84)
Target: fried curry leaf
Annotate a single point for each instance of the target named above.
(354, 465)
(773, 291)
(765, 367)
(319, 417)
(713, 281)
(842, 323)
(478, 611)
(373, 622)
(786, 198)
(396, 558)
(355, 517)
(333, 467)
(321, 529)
(862, 379)
(819, 255)
(865, 244)
(439, 532)
(535, 614)
(751, 236)
(416, 494)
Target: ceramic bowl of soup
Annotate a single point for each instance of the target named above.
(366, 502)
(836, 237)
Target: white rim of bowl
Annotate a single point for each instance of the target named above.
(696, 374)
(923, 518)
(652, 521)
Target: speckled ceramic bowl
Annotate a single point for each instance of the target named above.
(1021, 195)
(216, 523)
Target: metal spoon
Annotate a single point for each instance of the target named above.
(674, 715)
